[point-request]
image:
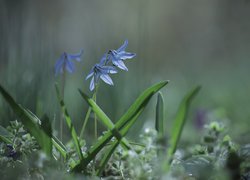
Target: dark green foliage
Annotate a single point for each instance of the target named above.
(114, 157)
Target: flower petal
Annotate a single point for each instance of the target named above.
(126, 55)
(70, 66)
(59, 65)
(107, 69)
(97, 77)
(120, 64)
(107, 79)
(123, 47)
(76, 57)
(92, 84)
(103, 60)
(90, 74)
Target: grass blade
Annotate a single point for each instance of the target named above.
(69, 123)
(60, 147)
(179, 122)
(30, 123)
(159, 119)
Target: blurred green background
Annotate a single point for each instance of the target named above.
(195, 42)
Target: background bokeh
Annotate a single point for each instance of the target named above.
(195, 42)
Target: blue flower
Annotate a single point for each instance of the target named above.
(118, 56)
(101, 71)
(66, 62)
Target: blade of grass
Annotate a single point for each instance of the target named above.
(179, 122)
(29, 122)
(60, 147)
(85, 122)
(69, 123)
(159, 119)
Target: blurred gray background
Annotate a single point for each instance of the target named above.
(195, 42)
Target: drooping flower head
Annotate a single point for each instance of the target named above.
(65, 62)
(118, 56)
(101, 71)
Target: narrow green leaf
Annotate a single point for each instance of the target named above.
(60, 146)
(179, 122)
(159, 119)
(69, 123)
(29, 122)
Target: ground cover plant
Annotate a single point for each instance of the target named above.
(31, 148)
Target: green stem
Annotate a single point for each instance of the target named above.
(95, 117)
(63, 88)
(87, 116)
(85, 122)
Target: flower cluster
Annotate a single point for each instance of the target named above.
(102, 69)
(109, 62)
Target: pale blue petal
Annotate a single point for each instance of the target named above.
(90, 74)
(123, 47)
(70, 66)
(92, 84)
(108, 70)
(114, 56)
(59, 65)
(103, 60)
(97, 77)
(126, 55)
(106, 78)
(120, 64)
(76, 57)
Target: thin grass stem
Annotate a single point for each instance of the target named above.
(62, 91)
